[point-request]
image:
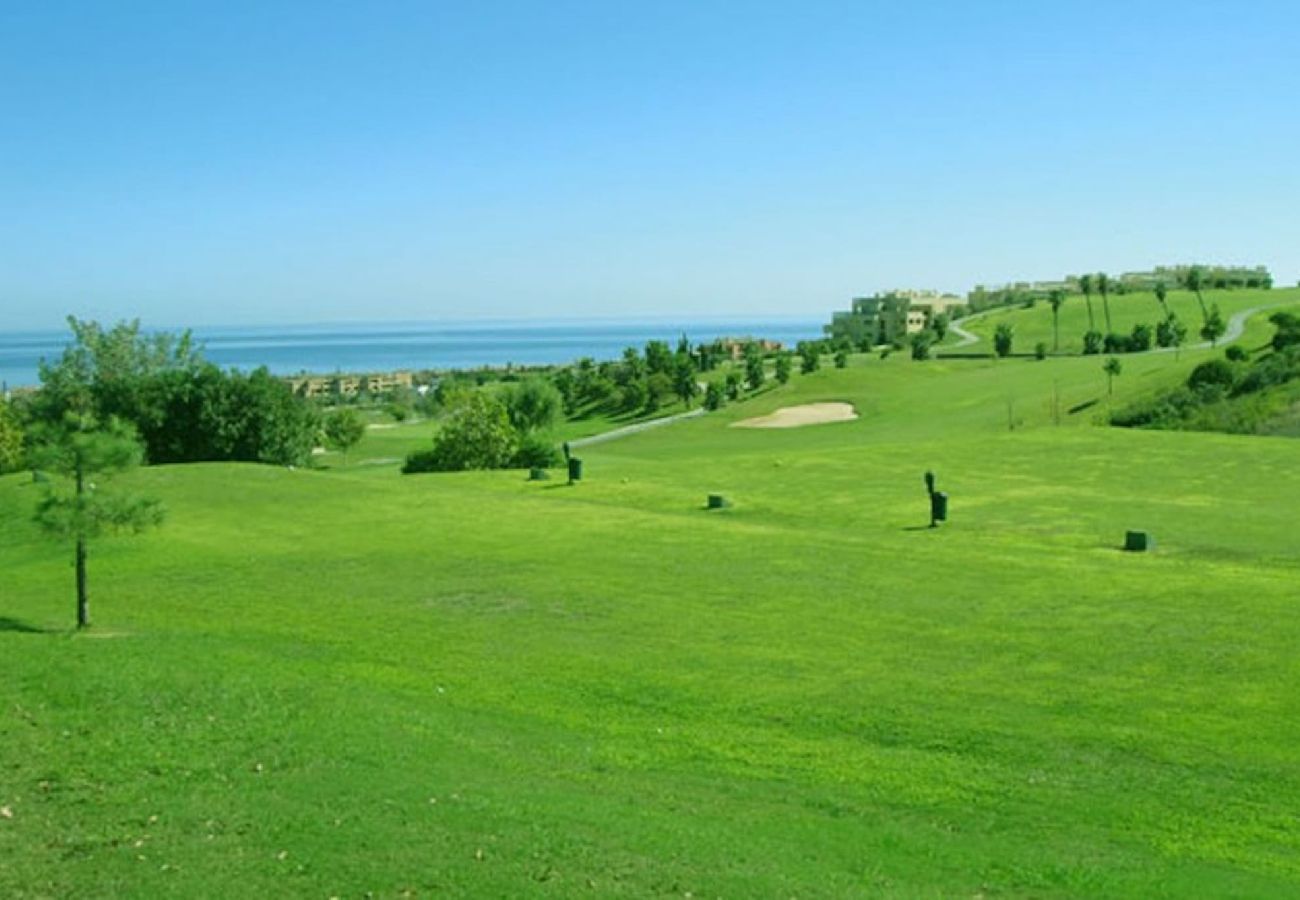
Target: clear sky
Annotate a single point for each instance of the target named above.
(224, 163)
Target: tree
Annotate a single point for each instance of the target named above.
(86, 454)
(11, 439)
(1195, 282)
(685, 383)
(921, 345)
(533, 404)
(658, 388)
(1057, 299)
(714, 397)
(344, 429)
(1085, 285)
(1172, 333)
(754, 373)
(477, 434)
(939, 325)
(1214, 326)
(841, 359)
(733, 385)
(783, 367)
(1162, 293)
(1103, 288)
(1002, 338)
(658, 357)
(809, 357)
(1112, 368)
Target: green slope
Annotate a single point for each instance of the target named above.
(607, 690)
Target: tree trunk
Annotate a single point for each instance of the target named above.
(83, 600)
(1105, 306)
(1056, 331)
(1201, 300)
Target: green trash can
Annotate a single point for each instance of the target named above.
(575, 469)
(1138, 541)
(939, 507)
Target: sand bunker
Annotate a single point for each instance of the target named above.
(799, 416)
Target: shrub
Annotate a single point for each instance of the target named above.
(921, 342)
(1092, 343)
(733, 385)
(476, 435)
(1212, 373)
(1116, 343)
(1040, 350)
(810, 359)
(713, 396)
(11, 439)
(1002, 339)
(841, 359)
(1236, 353)
(783, 367)
(1288, 330)
(1140, 339)
(535, 453)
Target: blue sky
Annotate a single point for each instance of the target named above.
(229, 163)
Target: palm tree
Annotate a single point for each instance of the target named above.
(1103, 288)
(1112, 368)
(1056, 298)
(1196, 281)
(1085, 285)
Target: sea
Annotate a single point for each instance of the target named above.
(388, 347)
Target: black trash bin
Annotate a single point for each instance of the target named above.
(575, 469)
(939, 506)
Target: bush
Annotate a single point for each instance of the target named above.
(535, 453)
(1040, 350)
(713, 396)
(1236, 353)
(921, 342)
(1140, 340)
(11, 439)
(1002, 339)
(1288, 330)
(1092, 343)
(841, 359)
(1116, 343)
(1212, 373)
(476, 435)
(783, 367)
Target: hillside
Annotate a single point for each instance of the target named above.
(332, 682)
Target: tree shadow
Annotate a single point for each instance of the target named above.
(20, 627)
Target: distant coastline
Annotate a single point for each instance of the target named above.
(329, 348)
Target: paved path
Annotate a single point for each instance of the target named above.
(635, 429)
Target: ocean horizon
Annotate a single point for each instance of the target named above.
(328, 347)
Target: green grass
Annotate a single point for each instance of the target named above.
(1035, 325)
(609, 691)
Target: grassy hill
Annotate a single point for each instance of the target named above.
(1035, 324)
(326, 683)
